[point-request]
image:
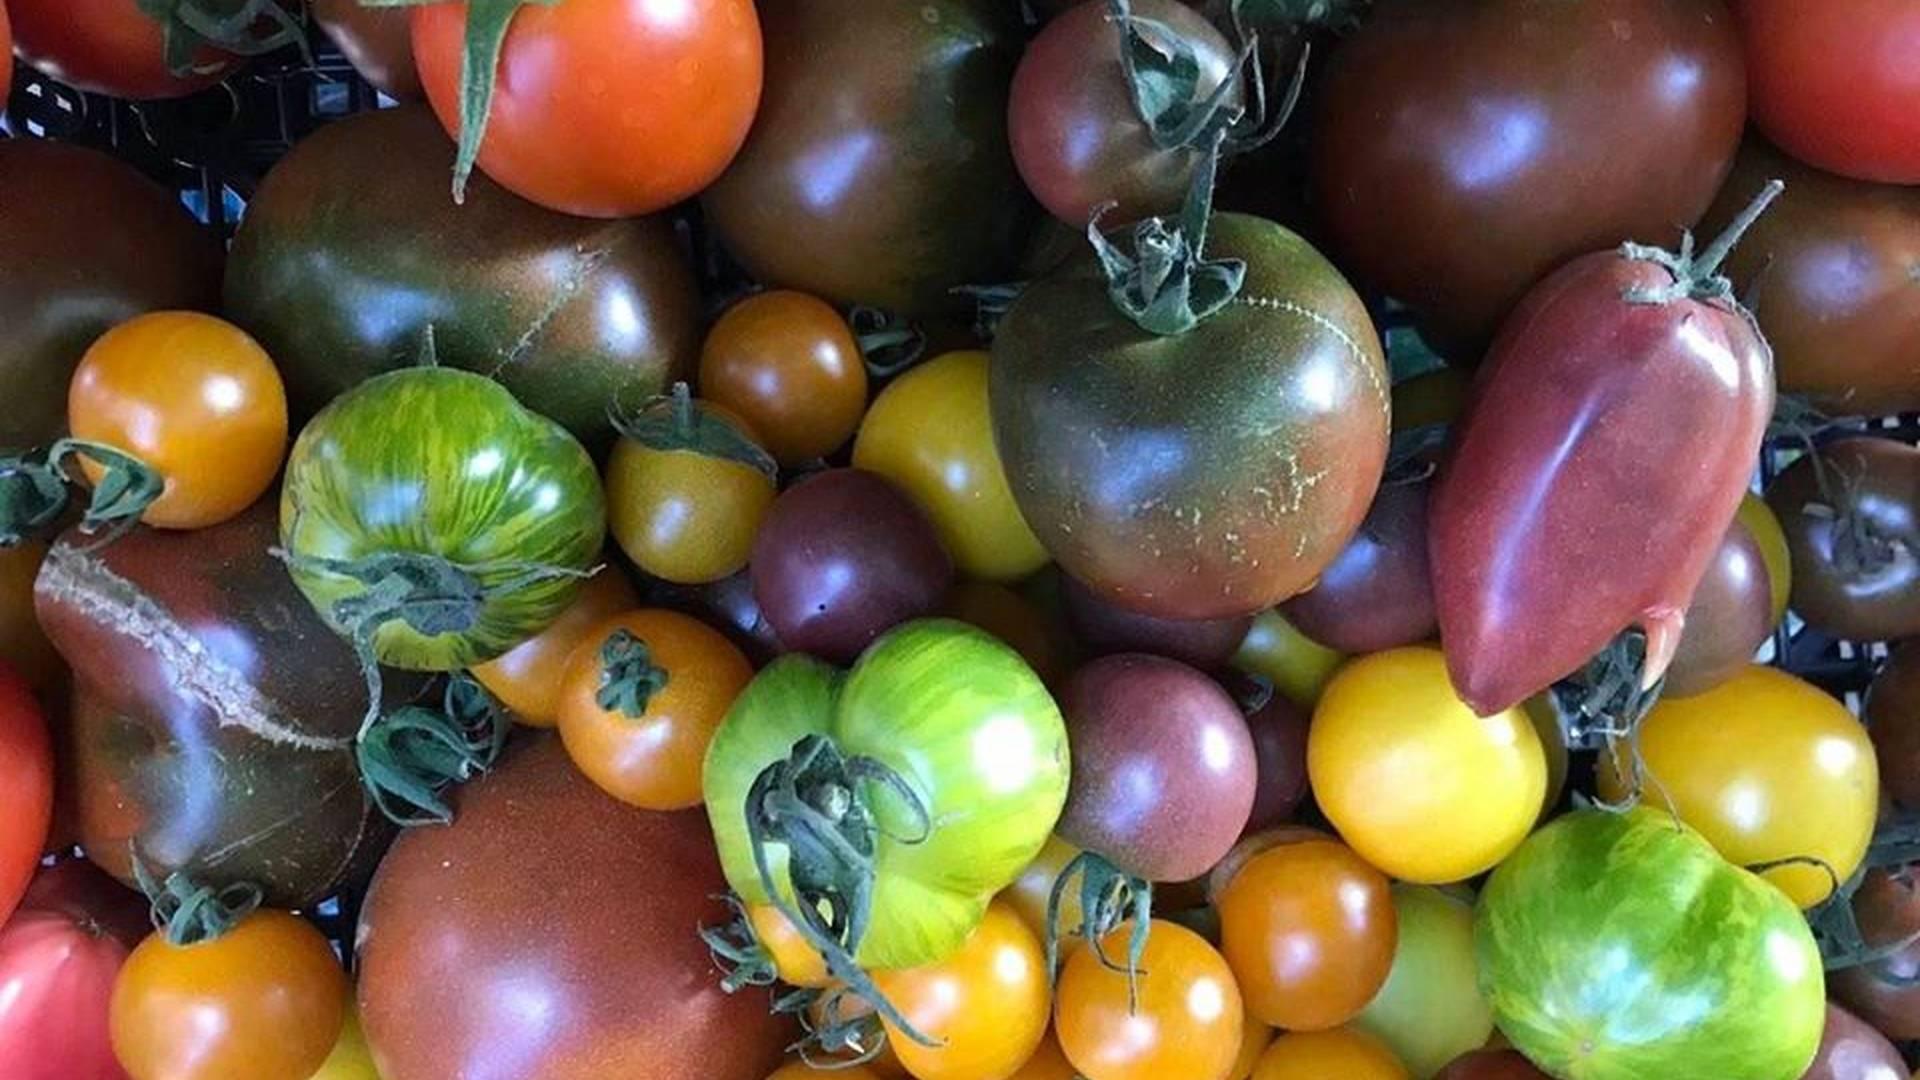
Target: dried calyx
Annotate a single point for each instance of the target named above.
(1698, 277)
(675, 422)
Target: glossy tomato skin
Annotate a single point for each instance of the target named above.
(843, 556)
(378, 42)
(191, 727)
(789, 365)
(1378, 592)
(684, 516)
(1730, 615)
(1430, 1010)
(1523, 133)
(1583, 406)
(1236, 460)
(1829, 270)
(878, 170)
(1491, 1065)
(90, 243)
(1077, 137)
(1279, 730)
(988, 1005)
(572, 127)
(1103, 628)
(516, 896)
(109, 47)
(1765, 528)
(526, 678)
(6, 58)
(488, 484)
(1893, 721)
(1186, 1020)
(1835, 87)
(1014, 619)
(1343, 1052)
(1659, 927)
(1047, 1063)
(1294, 663)
(1851, 1050)
(59, 955)
(26, 786)
(1032, 893)
(340, 279)
(1860, 583)
(1884, 992)
(267, 999)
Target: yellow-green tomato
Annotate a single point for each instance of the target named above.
(350, 1060)
(687, 489)
(929, 432)
(1430, 1011)
(1294, 663)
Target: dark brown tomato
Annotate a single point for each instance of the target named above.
(1377, 593)
(549, 933)
(878, 170)
(728, 605)
(1885, 992)
(1491, 1065)
(1730, 615)
(842, 557)
(1851, 1050)
(1164, 770)
(1079, 140)
(89, 243)
(1103, 628)
(1279, 730)
(1851, 512)
(214, 713)
(1833, 274)
(1893, 720)
(376, 41)
(339, 278)
(1203, 475)
(1514, 135)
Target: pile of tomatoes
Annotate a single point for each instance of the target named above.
(756, 539)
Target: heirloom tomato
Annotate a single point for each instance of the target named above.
(351, 1058)
(788, 365)
(1885, 992)
(526, 679)
(987, 1006)
(1103, 628)
(1294, 663)
(1760, 521)
(1378, 592)
(1047, 1063)
(1850, 1049)
(1893, 722)
(1835, 85)
(377, 41)
(1729, 615)
(6, 59)
(59, 955)
(1179, 1015)
(138, 50)
(687, 489)
(1430, 1010)
(794, 961)
(1317, 1055)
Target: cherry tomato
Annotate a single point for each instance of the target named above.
(350, 1058)
(931, 433)
(642, 697)
(1310, 931)
(26, 787)
(986, 1005)
(194, 398)
(794, 961)
(1766, 767)
(23, 645)
(1297, 665)
(1047, 1063)
(1255, 1037)
(1186, 1020)
(687, 489)
(1834, 84)
(1420, 786)
(604, 108)
(1032, 892)
(1760, 521)
(788, 364)
(526, 679)
(1320, 1055)
(266, 1001)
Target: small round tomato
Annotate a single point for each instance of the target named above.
(350, 1059)
(1767, 767)
(265, 1001)
(195, 399)
(23, 645)
(1047, 1063)
(687, 488)
(1761, 522)
(642, 697)
(1294, 663)
(1420, 786)
(930, 432)
(986, 1006)
(847, 1010)
(1310, 931)
(527, 678)
(1032, 893)
(788, 364)
(1321, 1055)
(794, 961)
(1185, 1019)
(800, 1070)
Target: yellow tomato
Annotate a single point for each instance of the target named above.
(986, 1006)
(1047, 1063)
(1255, 1037)
(350, 1060)
(1759, 519)
(1766, 767)
(1297, 665)
(800, 1070)
(687, 488)
(794, 961)
(1338, 1054)
(1413, 780)
(930, 432)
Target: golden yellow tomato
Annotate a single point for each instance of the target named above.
(1338, 1054)
(1297, 665)
(1047, 1063)
(986, 1006)
(794, 961)
(1255, 1037)
(350, 1060)
(1032, 892)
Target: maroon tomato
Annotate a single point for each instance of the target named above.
(1836, 84)
(59, 955)
(1103, 627)
(1885, 992)
(1730, 615)
(1852, 1050)
(1377, 593)
(1279, 730)
(6, 58)
(1851, 513)
(113, 47)
(26, 786)
(1491, 1065)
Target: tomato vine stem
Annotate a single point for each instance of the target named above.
(1109, 897)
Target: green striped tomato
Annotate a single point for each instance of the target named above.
(435, 466)
(956, 715)
(1622, 946)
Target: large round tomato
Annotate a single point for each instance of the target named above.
(930, 432)
(1430, 1010)
(687, 489)
(1767, 767)
(1835, 84)
(26, 786)
(788, 365)
(1342, 1052)
(265, 1000)
(943, 712)
(438, 472)
(1179, 1015)
(600, 108)
(1419, 785)
(59, 955)
(526, 678)
(986, 1007)
(116, 47)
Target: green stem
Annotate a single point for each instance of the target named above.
(188, 912)
(32, 495)
(1165, 284)
(1698, 277)
(1109, 897)
(675, 422)
(743, 961)
(628, 676)
(409, 758)
(247, 28)
(127, 487)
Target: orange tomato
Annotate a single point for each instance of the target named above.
(1187, 1021)
(788, 365)
(527, 678)
(1255, 1037)
(1047, 1063)
(794, 961)
(1342, 1053)
(686, 504)
(985, 1006)
(800, 1070)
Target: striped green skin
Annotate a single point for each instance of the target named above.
(970, 727)
(442, 462)
(1622, 947)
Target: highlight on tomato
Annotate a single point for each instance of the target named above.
(985, 1008)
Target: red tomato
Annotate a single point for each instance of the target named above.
(59, 956)
(605, 108)
(1836, 85)
(26, 786)
(109, 47)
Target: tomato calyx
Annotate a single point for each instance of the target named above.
(628, 676)
(1166, 285)
(33, 493)
(1698, 277)
(673, 422)
(188, 912)
(890, 343)
(1109, 896)
(743, 961)
(245, 28)
(1860, 549)
(409, 758)
(1609, 698)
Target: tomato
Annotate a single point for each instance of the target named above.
(1422, 787)
(499, 505)
(1013, 619)
(1836, 89)
(210, 701)
(1728, 617)
(1181, 1015)
(527, 677)
(1294, 663)
(794, 961)
(572, 123)
(266, 999)
(116, 47)
(1310, 931)
(23, 644)
(852, 1013)
(929, 432)
(1032, 893)
(800, 1070)
(59, 955)
(1893, 722)
(6, 57)
(1341, 1052)
(26, 786)
(1255, 1037)
(1687, 966)
(987, 1005)
(350, 1058)
(1851, 513)
(687, 489)
(1430, 1010)
(787, 364)
(1491, 1065)
(378, 42)
(1851, 1050)
(194, 399)
(1279, 730)
(340, 280)
(1744, 762)
(1378, 592)
(918, 709)
(1885, 992)
(1103, 628)
(640, 701)
(1047, 1063)
(1758, 517)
